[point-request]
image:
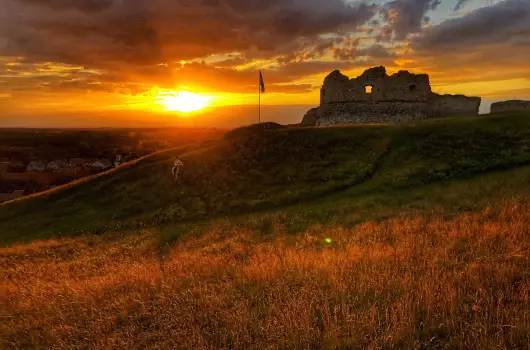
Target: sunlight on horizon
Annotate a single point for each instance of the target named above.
(183, 101)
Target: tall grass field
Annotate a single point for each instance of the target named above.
(409, 236)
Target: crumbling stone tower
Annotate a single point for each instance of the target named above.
(375, 97)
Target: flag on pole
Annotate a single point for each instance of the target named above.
(261, 83)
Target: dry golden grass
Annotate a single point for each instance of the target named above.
(424, 282)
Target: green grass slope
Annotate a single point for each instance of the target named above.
(256, 170)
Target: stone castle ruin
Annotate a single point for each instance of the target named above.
(510, 106)
(375, 97)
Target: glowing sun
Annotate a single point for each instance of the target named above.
(184, 102)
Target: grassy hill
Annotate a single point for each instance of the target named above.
(413, 236)
(259, 169)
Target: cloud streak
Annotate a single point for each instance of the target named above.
(460, 4)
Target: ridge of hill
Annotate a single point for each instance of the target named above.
(257, 169)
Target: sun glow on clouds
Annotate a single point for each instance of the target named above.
(183, 101)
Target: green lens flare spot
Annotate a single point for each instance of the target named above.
(328, 240)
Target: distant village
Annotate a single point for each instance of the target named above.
(49, 172)
(34, 160)
(77, 164)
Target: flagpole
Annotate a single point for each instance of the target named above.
(259, 98)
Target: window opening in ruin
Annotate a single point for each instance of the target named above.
(412, 87)
(368, 89)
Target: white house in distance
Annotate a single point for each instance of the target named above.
(101, 164)
(79, 162)
(56, 165)
(37, 166)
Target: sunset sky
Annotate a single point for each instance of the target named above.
(123, 62)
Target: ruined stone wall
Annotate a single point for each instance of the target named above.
(311, 117)
(401, 86)
(370, 112)
(447, 105)
(399, 97)
(510, 106)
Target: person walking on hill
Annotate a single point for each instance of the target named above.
(178, 168)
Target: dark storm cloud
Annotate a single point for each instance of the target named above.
(490, 43)
(404, 17)
(161, 30)
(503, 24)
(377, 51)
(127, 40)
